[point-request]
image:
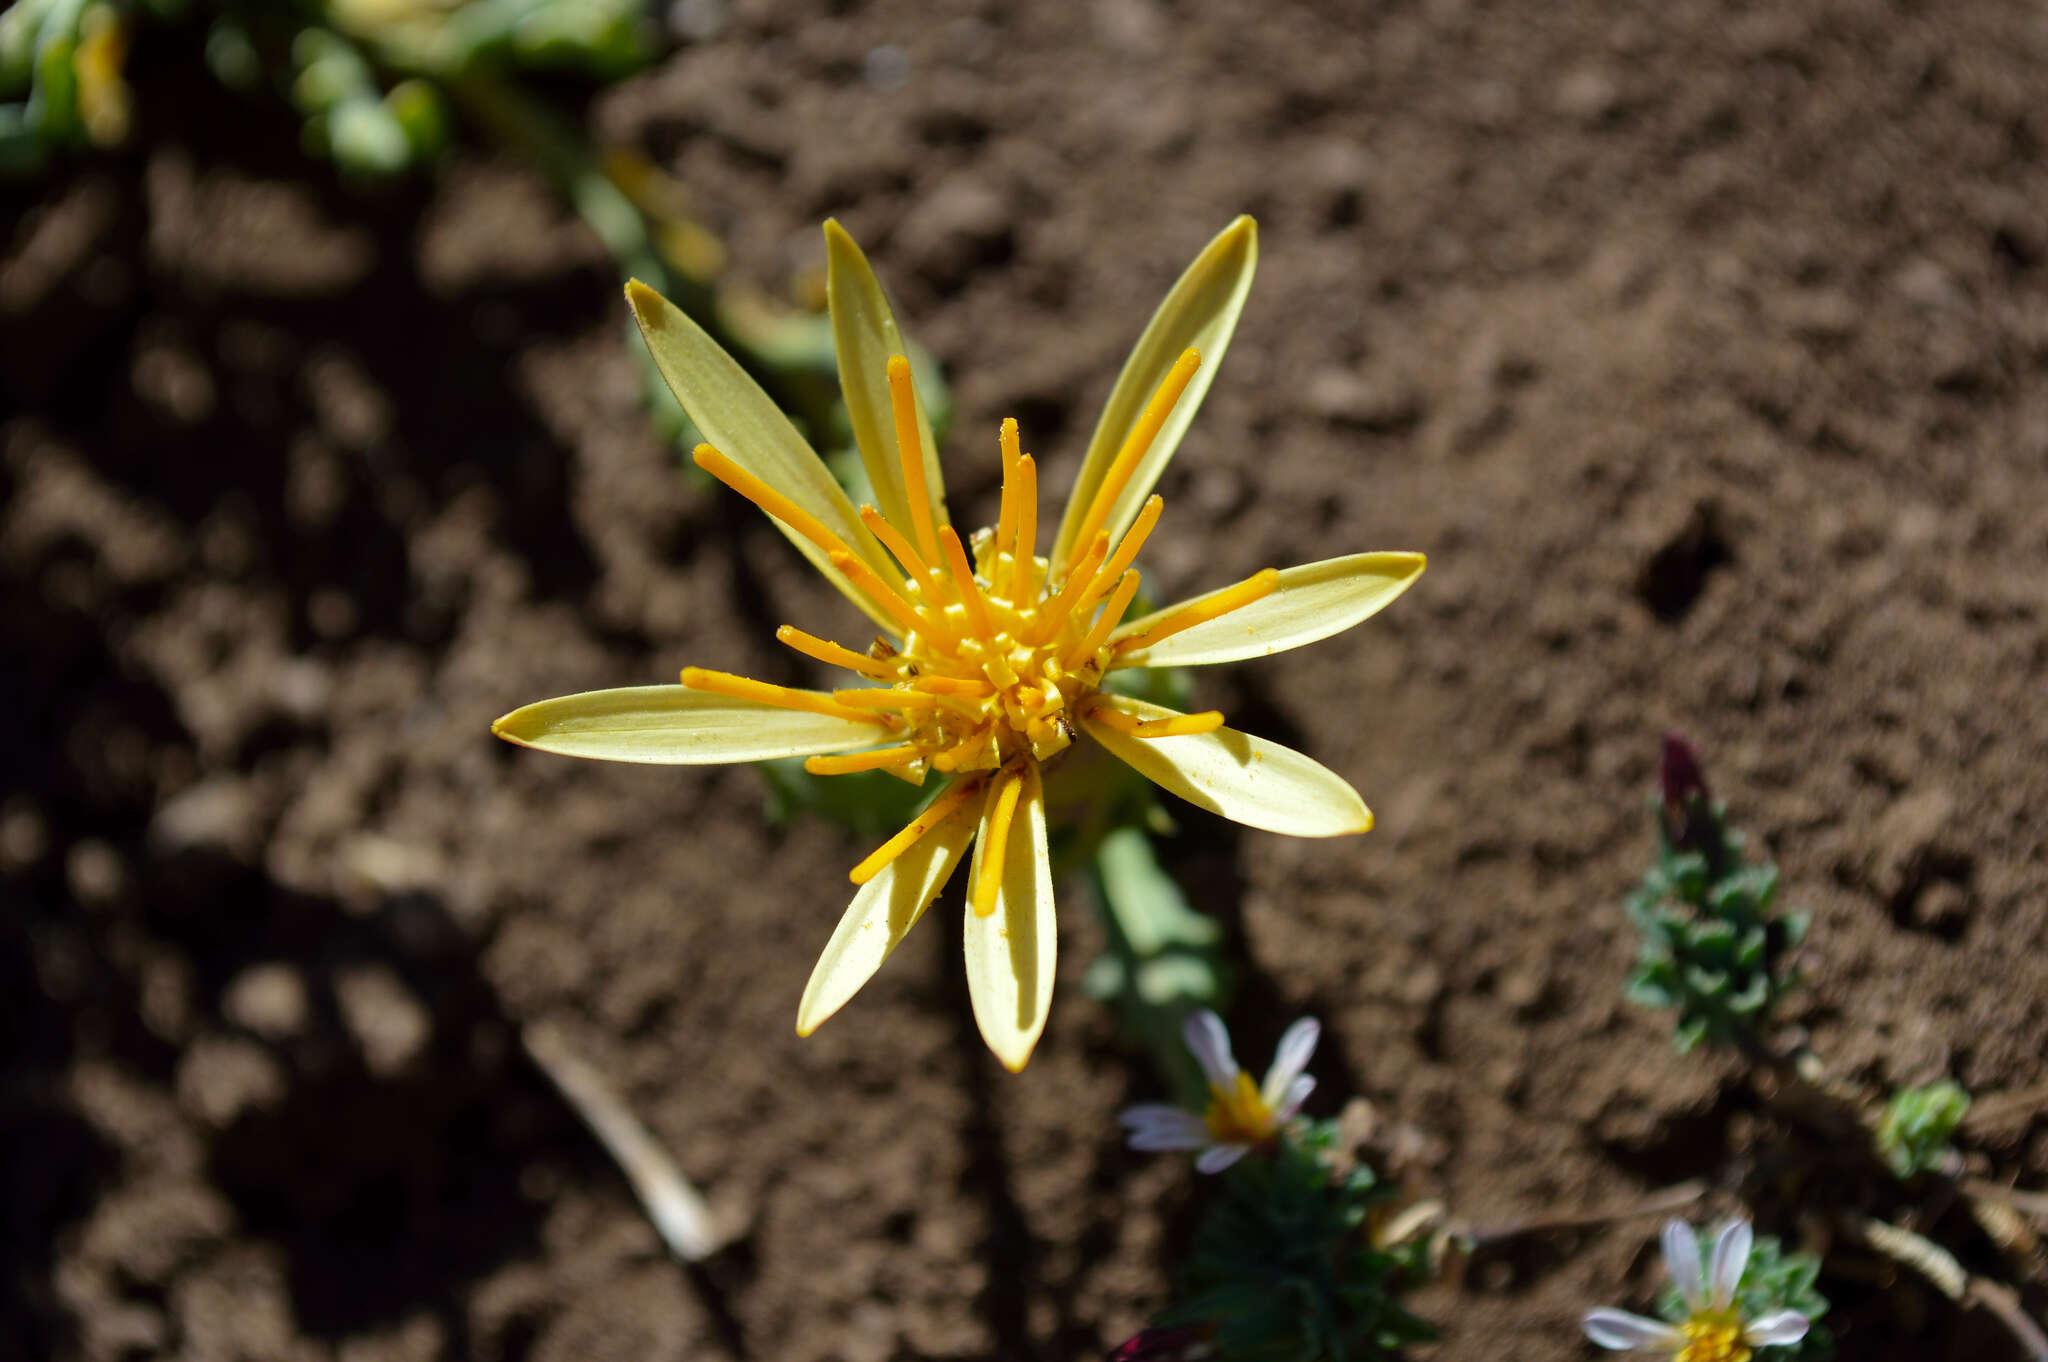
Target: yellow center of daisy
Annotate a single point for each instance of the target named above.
(1713, 1336)
(1239, 1114)
(1000, 653)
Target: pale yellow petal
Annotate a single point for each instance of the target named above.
(881, 915)
(677, 726)
(1010, 953)
(1200, 311)
(1312, 602)
(745, 425)
(1246, 779)
(864, 336)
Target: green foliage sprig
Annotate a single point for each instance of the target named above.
(1283, 1266)
(1714, 946)
(1913, 1134)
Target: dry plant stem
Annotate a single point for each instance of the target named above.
(679, 1213)
(1950, 1277)
(2026, 1203)
(1665, 1202)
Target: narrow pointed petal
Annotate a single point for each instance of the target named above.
(677, 726)
(1778, 1328)
(1149, 1115)
(1218, 1157)
(1155, 1127)
(1168, 1141)
(864, 335)
(1682, 1263)
(1312, 602)
(1297, 1046)
(1209, 1042)
(1620, 1329)
(1297, 1093)
(1731, 1255)
(881, 915)
(1010, 952)
(1246, 779)
(1201, 311)
(747, 427)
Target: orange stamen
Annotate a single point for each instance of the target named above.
(810, 645)
(1024, 552)
(950, 758)
(952, 685)
(906, 614)
(1006, 519)
(1137, 442)
(1176, 726)
(914, 567)
(1111, 616)
(887, 697)
(963, 582)
(1052, 616)
(910, 451)
(1133, 540)
(1212, 606)
(848, 763)
(937, 812)
(712, 461)
(995, 839)
(768, 693)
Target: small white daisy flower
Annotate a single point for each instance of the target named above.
(1241, 1115)
(1713, 1329)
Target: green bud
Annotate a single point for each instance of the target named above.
(231, 56)
(366, 139)
(1913, 1134)
(420, 112)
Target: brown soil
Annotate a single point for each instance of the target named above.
(1702, 347)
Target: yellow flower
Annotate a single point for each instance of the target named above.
(992, 658)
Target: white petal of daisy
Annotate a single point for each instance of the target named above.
(1730, 1256)
(1156, 1127)
(1779, 1327)
(1682, 1263)
(1246, 779)
(1620, 1329)
(745, 425)
(1311, 602)
(1209, 1042)
(1290, 1101)
(881, 915)
(1010, 952)
(1200, 312)
(1218, 1157)
(864, 336)
(1297, 1046)
(677, 726)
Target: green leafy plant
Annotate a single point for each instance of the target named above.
(1913, 1134)
(1714, 946)
(1284, 1267)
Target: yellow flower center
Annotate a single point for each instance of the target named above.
(1239, 1115)
(1713, 1336)
(1001, 654)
